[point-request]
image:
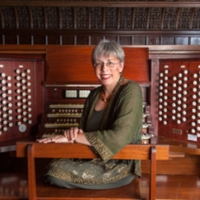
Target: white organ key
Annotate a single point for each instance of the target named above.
(194, 110)
(10, 118)
(10, 125)
(179, 82)
(5, 129)
(17, 71)
(193, 117)
(193, 131)
(66, 106)
(194, 96)
(166, 71)
(76, 115)
(5, 122)
(184, 119)
(184, 112)
(193, 124)
(179, 88)
(3, 75)
(174, 85)
(18, 91)
(4, 88)
(180, 75)
(56, 125)
(195, 75)
(184, 105)
(19, 110)
(19, 104)
(185, 85)
(195, 82)
(184, 99)
(194, 103)
(18, 78)
(4, 115)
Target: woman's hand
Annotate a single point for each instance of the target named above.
(55, 139)
(72, 134)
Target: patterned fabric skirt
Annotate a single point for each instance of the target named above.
(89, 174)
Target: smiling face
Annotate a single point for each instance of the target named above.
(108, 70)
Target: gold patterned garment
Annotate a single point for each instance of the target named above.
(121, 125)
(89, 172)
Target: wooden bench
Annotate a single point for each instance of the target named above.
(40, 191)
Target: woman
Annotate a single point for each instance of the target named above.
(111, 119)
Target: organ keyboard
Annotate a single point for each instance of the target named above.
(59, 117)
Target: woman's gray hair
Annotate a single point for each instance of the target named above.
(106, 48)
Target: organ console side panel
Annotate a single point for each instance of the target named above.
(179, 99)
(69, 78)
(21, 95)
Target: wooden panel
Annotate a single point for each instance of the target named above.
(72, 64)
(22, 95)
(131, 151)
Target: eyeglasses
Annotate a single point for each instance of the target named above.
(109, 64)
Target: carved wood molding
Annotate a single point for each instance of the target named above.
(140, 22)
(101, 18)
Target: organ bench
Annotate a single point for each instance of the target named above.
(33, 150)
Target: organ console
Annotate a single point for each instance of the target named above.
(42, 95)
(68, 83)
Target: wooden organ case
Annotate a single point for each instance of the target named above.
(69, 78)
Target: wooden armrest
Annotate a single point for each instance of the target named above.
(63, 150)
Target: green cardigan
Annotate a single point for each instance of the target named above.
(122, 121)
